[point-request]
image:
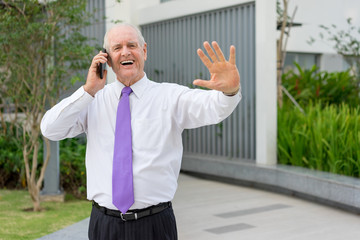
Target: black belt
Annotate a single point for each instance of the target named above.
(133, 214)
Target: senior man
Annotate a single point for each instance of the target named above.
(133, 128)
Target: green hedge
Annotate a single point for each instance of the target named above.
(11, 159)
(327, 88)
(326, 136)
(72, 163)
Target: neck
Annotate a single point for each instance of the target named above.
(129, 82)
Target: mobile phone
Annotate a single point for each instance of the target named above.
(101, 66)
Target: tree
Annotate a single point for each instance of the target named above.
(41, 46)
(346, 43)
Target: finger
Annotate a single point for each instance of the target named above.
(210, 51)
(204, 58)
(94, 65)
(232, 58)
(97, 60)
(100, 55)
(203, 83)
(218, 51)
(102, 59)
(103, 54)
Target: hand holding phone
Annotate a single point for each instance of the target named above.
(102, 67)
(97, 70)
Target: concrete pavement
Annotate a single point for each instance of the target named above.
(207, 210)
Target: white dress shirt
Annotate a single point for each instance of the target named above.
(159, 114)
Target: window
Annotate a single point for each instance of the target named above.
(330, 62)
(305, 60)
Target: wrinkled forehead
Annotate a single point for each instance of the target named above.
(122, 34)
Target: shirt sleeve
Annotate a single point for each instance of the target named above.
(68, 118)
(198, 107)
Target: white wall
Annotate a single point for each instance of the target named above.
(312, 13)
(178, 8)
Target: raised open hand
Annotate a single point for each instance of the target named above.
(225, 76)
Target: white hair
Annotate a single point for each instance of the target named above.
(138, 33)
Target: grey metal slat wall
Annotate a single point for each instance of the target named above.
(96, 29)
(172, 57)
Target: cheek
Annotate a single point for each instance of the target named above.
(113, 59)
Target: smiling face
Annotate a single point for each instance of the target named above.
(126, 55)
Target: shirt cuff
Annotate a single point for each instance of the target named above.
(230, 100)
(80, 98)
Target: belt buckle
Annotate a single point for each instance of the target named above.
(123, 214)
(122, 217)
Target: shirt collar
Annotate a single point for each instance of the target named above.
(138, 88)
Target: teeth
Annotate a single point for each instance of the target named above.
(127, 62)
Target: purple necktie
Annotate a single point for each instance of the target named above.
(122, 178)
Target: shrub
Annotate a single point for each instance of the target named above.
(11, 160)
(328, 88)
(325, 138)
(72, 166)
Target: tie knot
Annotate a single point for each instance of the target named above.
(126, 90)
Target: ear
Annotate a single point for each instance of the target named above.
(145, 51)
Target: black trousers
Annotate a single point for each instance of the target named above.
(160, 226)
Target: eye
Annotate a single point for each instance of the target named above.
(116, 48)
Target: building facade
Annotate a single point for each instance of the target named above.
(175, 29)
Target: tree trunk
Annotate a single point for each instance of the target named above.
(34, 183)
(35, 197)
(33, 190)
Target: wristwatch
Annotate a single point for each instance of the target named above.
(232, 94)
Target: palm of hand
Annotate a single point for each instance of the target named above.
(225, 76)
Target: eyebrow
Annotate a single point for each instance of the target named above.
(130, 42)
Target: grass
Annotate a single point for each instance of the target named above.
(16, 223)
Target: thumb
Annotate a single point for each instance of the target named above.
(203, 83)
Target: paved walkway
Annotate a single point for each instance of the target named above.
(207, 210)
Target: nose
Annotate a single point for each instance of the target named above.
(125, 51)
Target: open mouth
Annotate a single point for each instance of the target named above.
(127, 62)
